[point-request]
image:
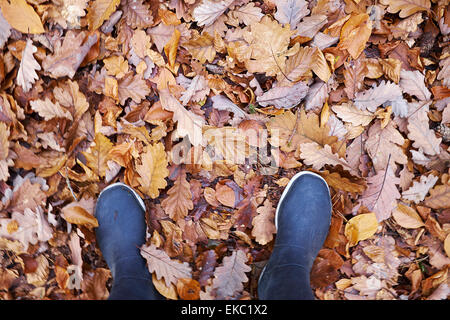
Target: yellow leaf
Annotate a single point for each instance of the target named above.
(355, 33)
(170, 49)
(111, 88)
(99, 11)
(98, 154)
(407, 217)
(320, 66)
(361, 227)
(324, 114)
(170, 292)
(21, 16)
(116, 66)
(153, 170)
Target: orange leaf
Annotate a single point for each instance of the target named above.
(188, 289)
(355, 33)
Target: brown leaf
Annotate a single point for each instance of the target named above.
(439, 197)
(263, 224)
(68, 54)
(269, 41)
(137, 14)
(384, 144)
(225, 195)
(132, 86)
(189, 123)
(407, 217)
(421, 134)
(354, 74)
(317, 157)
(336, 181)
(325, 268)
(179, 200)
(284, 97)
(228, 277)
(159, 262)
(381, 194)
(99, 11)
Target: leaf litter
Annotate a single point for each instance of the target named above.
(174, 99)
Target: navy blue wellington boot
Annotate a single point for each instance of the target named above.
(121, 232)
(302, 219)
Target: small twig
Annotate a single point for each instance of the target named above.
(68, 185)
(276, 62)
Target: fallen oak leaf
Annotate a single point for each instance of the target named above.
(228, 277)
(291, 11)
(179, 200)
(132, 86)
(413, 83)
(406, 7)
(97, 155)
(349, 113)
(263, 224)
(26, 75)
(338, 182)
(418, 131)
(49, 110)
(317, 157)
(189, 124)
(152, 170)
(137, 14)
(439, 197)
(269, 42)
(419, 189)
(209, 11)
(159, 263)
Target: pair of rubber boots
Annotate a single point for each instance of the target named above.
(302, 219)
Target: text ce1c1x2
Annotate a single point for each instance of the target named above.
(225, 309)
